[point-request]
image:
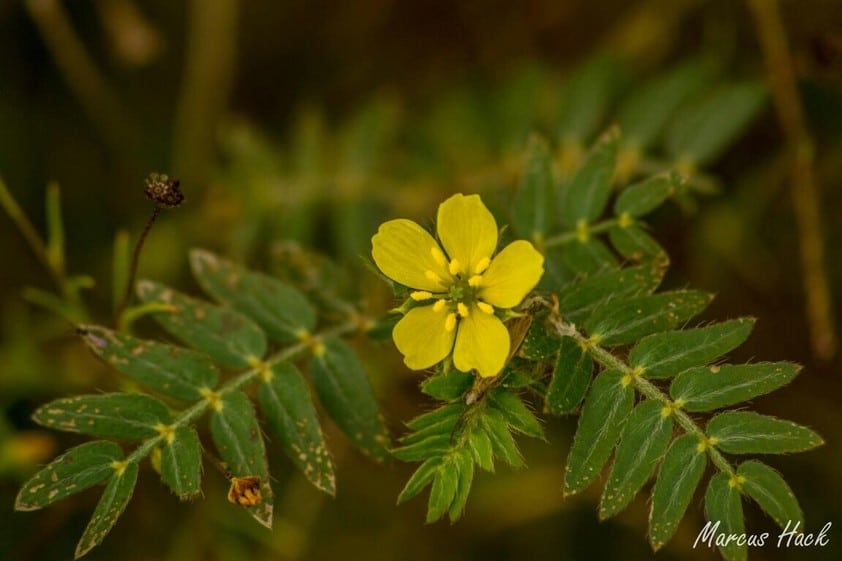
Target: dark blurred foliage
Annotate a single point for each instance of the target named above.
(315, 121)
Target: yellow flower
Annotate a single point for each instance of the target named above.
(461, 283)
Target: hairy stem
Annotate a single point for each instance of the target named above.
(127, 294)
(646, 388)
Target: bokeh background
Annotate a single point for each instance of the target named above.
(311, 122)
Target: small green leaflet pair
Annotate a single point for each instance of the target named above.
(253, 312)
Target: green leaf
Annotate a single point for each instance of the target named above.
(678, 478)
(715, 387)
(453, 410)
(666, 354)
(519, 417)
(642, 445)
(420, 479)
(649, 106)
(502, 443)
(279, 309)
(481, 448)
(445, 483)
(585, 197)
(633, 243)
(586, 98)
(606, 408)
(724, 511)
(181, 462)
(571, 378)
(702, 131)
(288, 407)
(541, 341)
(444, 427)
(111, 505)
(623, 321)
(77, 469)
(343, 388)
(447, 387)
(228, 337)
(746, 432)
(588, 256)
(641, 198)
(236, 434)
(110, 415)
(174, 371)
(769, 490)
(420, 449)
(578, 300)
(465, 467)
(535, 199)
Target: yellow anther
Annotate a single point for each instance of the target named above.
(482, 265)
(438, 256)
(439, 305)
(433, 277)
(450, 322)
(420, 295)
(455, 267)
(462, 309)
(485, 308)
(475, 281)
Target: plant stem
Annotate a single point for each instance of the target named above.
(199, 408)
(567, 237)
(642, 385)
(135, 260)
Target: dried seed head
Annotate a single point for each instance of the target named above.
(245, 491)
(164, 191)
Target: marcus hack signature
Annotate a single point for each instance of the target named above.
(710, 536)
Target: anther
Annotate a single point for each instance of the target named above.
(450, 322)
(439, 305)
(485, 308)
(455, 268)
(420, 295)
(438, 256)
(433, 277)
(482, 265)
(475, 281)
(462, 309)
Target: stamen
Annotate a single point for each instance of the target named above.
(433, 277)
(450, 322)
(438, 256)
(420, 295)
(485, 308)
(455, 268)
(439, 305)
(462, 309)
(482, 265)
(475, 281)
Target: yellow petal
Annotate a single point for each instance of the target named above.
(402, 250)
(512, 274)
(482, 343)
(421, 337)
(467, 230)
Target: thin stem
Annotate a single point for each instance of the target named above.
(127, 294)
(644, 386)
(800, 144)
(568, 237)
(199, 408)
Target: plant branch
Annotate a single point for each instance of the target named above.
(568, 237)
(800, 145)
(642, 385)
(194, 412)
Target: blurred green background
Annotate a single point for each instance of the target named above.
(315, 121)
